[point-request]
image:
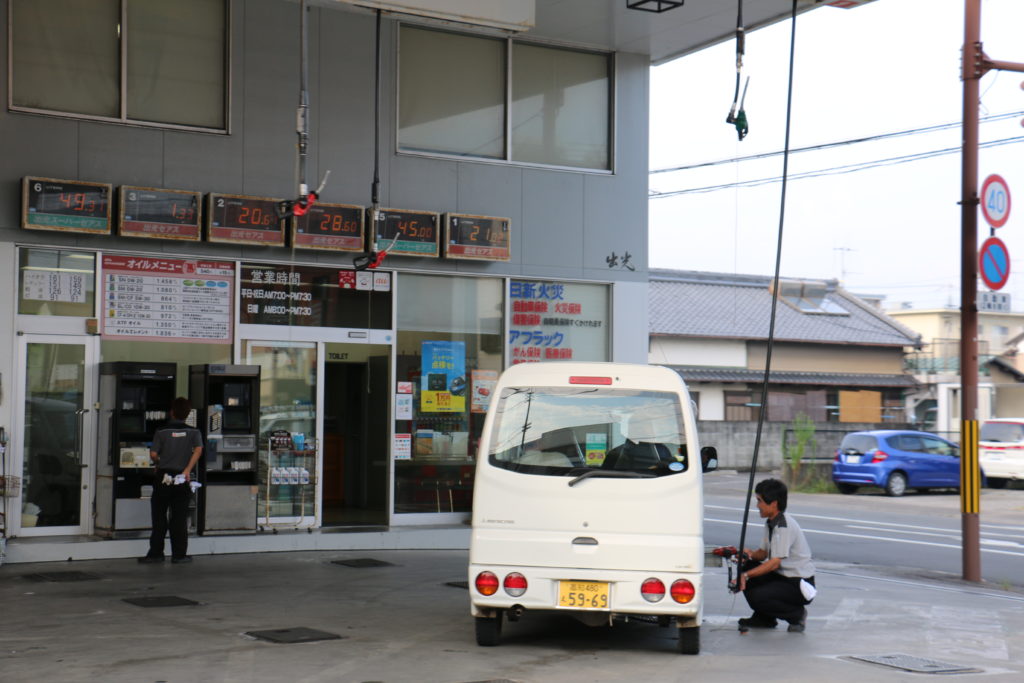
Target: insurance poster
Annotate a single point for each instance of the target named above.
(443, 382)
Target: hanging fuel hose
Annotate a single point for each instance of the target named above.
(730, 553)
(737, 114)
(373, 257)
(301, 204)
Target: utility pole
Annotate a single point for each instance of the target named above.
(975, 64)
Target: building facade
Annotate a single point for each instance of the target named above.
(484, 203)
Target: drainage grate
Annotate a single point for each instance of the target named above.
(362, 562)
(458, 584)
(300, 634)
(160, 601)
(916, 664)
(61, 576)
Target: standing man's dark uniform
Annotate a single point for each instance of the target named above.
(176, 449)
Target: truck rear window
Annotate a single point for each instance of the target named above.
(570, 431)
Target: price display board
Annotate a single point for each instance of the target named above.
(477, 237)
(163, 214)
(65, 205)
(338, 227)
(244, 220)
(407, 232)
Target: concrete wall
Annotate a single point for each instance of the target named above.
(829, 357)
(735, 441)
(715, 352)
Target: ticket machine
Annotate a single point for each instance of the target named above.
(135, 401)
(226, 399)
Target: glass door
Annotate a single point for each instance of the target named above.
(56, 436)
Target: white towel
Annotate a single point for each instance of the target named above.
(808, 590)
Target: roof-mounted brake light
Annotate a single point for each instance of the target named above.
(590, 380)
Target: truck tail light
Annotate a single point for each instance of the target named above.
(486, 583)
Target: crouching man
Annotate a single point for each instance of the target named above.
(778, 578)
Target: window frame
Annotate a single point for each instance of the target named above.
(507, 159)
(122, 80)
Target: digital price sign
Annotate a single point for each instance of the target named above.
(161, 214)
(338, 227)
(477, 237)
(244, 220)
(407, 232)
(65, 205)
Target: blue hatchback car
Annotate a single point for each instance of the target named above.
(896, 460)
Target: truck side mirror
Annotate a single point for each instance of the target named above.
(709, 459)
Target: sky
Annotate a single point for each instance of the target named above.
(892, 230)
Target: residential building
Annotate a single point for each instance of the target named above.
(835, 358)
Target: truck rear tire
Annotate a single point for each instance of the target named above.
(689, 641)
(488, 630)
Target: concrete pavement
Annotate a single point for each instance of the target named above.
(405, 622)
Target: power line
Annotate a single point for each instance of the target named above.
(841, 143)
(835, 170)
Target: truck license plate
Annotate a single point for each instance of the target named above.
(583, 594)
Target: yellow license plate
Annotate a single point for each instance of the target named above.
(583, 594)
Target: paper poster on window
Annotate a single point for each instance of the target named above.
(401, 447)
(597, 448)
(483, 387)
(403, 406)
(443, 382)
(558, 321)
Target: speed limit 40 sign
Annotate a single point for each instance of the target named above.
(995, 200)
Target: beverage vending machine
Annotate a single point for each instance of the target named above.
(227, 403)
(135, 401)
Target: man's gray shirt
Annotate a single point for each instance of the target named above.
(784, 539)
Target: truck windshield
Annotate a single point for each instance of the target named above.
(570, 431)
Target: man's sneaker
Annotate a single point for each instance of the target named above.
(758, 621)
(151, 559)
(799, 625)
(181, 560)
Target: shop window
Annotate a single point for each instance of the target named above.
(554, 321)
(454, 99)
(449, 355)
(67, 56)
(452, 93)
(56, 282)
(560, 107)
(785, 406)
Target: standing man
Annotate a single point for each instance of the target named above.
(175, 451)
(778, 579)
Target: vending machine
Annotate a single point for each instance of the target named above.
(227, 403)
(135, 401)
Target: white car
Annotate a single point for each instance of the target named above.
(588, 499)
(1001, 450)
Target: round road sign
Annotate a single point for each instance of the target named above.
(995, 200)
(994, 263)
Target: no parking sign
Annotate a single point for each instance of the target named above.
(994, 263)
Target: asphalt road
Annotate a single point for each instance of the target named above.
(919, 532)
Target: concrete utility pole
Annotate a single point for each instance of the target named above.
(975, 64)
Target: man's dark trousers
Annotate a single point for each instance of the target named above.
(171, 499)
(774, 595)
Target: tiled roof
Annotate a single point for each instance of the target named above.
(693, 373)
(730, 306)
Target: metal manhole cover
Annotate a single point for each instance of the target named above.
(916, 664)
(61, 576)
(362, 562)
(458, 584)
(300, 634)
(160, 601)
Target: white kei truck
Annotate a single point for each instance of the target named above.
(588, 499)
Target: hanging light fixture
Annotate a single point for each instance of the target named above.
(658, 6)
